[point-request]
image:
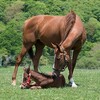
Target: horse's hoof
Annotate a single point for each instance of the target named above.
(73, 85)
(14, 83)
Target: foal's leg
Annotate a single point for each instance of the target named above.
(25, 48)
(35, 87)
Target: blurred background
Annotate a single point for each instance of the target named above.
(13, 13)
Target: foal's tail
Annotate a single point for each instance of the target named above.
(69, 23)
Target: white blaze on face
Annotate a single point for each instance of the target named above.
(54, 61)
(53, 66)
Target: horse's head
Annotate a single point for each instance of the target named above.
(60, 59)
(26, 78)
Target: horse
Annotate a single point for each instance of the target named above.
(41, 80)
(62, 33)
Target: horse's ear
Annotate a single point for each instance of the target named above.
(56, 46)
(53, 45)
(29, 67)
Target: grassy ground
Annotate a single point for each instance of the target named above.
(88, 89)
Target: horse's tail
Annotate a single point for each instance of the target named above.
(69, 23)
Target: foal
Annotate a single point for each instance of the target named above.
(41, 80)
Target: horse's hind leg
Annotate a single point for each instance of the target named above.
(24, 50)
(35, 58)
(39, 49)
(31, 54)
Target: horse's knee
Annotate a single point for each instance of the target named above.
(18, 59)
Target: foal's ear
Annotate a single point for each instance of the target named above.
(24, 69)
(28, 68)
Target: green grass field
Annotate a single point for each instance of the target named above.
(88, 89)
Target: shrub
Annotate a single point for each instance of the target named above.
(89, 63)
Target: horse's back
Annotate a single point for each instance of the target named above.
(44, 28)
(32, 22)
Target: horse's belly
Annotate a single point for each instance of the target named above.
(50, 32)
(50, 38)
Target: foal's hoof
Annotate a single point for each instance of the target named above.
(14, 82)
(35, 87)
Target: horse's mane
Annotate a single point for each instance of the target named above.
(69, 23)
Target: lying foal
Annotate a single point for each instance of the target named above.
(41, 80)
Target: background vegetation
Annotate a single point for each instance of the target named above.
(13, 13)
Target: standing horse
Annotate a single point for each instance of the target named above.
(62, 33)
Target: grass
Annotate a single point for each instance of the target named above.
(88, 89)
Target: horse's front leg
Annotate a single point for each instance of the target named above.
(19, 58)
(75, 55)
(72, 64)
(70, 77)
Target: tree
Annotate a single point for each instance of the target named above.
(12, 9)
(13, 13)
(93, 29)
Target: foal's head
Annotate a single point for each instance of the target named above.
(60, 59)
(26, 78)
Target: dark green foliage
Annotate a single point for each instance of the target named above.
(91, 59)
(13, 13)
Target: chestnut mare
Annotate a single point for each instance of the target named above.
(62, 33)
